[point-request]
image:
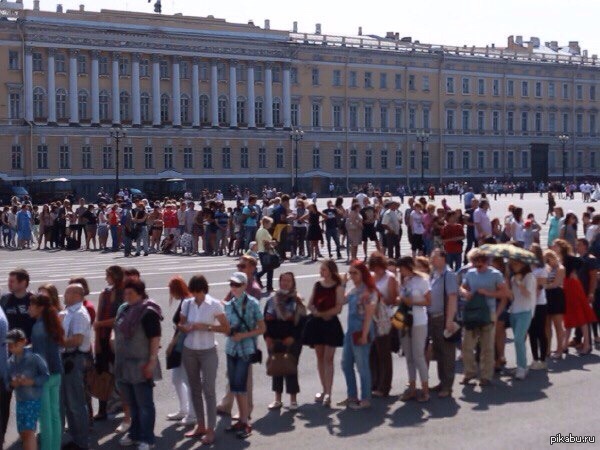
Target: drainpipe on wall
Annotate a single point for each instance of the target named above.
(347, 117)
(22, 33)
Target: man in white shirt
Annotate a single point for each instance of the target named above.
(483, 224)
(78, 332)
(391, 221)
(417, 228)
(361, 197)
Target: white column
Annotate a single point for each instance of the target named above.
(116, 110)
(233, 123)
(95, 90)
(251, 97)
(156, 122)
(28, 85)
(195, 95)
(287, 98)
(51, 88)
(73, 91)
(214, 94)
(268, 95)
(176, 93)
(135, 91)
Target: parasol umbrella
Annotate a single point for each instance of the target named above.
(509, 251)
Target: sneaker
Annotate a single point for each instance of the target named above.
(123, 427)
(245, 432)
(176, 416)
(126, 441)
(188, 420)
(520, 373)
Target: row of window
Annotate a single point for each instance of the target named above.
(452, 161)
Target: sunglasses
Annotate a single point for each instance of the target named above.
(234, 284)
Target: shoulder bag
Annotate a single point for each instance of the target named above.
(477, 313)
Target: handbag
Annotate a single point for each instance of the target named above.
(270, 260)
(477, 313)
(100, 385)
(281, 364)
(383, 324)
(402, 319)
(257, 356)
(173, 359)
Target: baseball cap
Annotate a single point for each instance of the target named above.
(239, 278)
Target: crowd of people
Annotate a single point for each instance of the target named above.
(453, 298)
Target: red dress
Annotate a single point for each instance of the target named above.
(578, 310)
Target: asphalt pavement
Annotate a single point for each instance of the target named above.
(510, 414)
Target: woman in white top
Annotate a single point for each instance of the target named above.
(537, 330)
(517, 226)
(381, 354)
(201, 317)
(415, 294)
(523, 295)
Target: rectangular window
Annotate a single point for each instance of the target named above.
(42, 157)
(107, 157)
(538, 122)
(579, 123)
(13, 60)
(128, 157)
(368, 80)
(565, 91)
(164, 69)
(316, 115)
(64, 157)
(353, 159)
(184, 71)
(495, 121)
(316, 158)
(383, 117)
(481, 160)
(426, 119)
(524, 121)
(551, 89)
(204, 71)
(384, 159)
(552, 122)
(593, 93)
(148, 158)
(450, 85)
(103, 65)
(510, 88)
(524, 88)
(383, 81)
(565, 124)
(369, 159)
(123, 67)
(337, 116)
(412, 118)
(481, 86)
(398, 81)
(37, 62)
(86, 157)
(262, 158)
(81, 64)
(412, 160)
(496, 160)
(258, 73)
(538, 89)
(144, 68)
(593, 160)
(398, 159)
(244, 158)
(398, 118)
(188, 158)
(295, 114)
(481, 121)
(315, 77)
(579, 161)
(496, 88)
(450, 120)
(466, 121)
(593, 124)
(337, 158)
(16, 157)
(14, 106)
(279, 160)
(337, 77)
(466, 160)
(579, 91)
(168, 158)
(368, 117)
(207, 158)
(524, 160)
(450, 160)
(226, 158)
(466, 85)
(510, 121)
(276, 74)
(426, 83)
(353, 79)
(411, 83)
(510, 160)
(294, 75)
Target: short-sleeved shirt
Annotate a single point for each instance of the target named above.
(540, 272)
(331, 221)
(250, 221)
(480, 217)
(392, 220)
(489, 280)
(251, 314)
(416, 222)
(452, 230)
(262, 235)
(416, 288)
(436, 284)
(16, 311)
(206, 313)
(356, 308)
(77, 321)
(368, 214)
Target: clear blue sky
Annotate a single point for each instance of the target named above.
(454, 22)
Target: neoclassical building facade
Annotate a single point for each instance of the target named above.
(214, 102)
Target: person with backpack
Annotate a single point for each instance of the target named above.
(441, 313)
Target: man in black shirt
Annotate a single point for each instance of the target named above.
(332, 229)
(16, 306)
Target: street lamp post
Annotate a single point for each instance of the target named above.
(117, 133)
(564, 138)
(296, 135)
(422, 137)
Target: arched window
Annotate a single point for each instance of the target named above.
(82, 104)
(185, 109)
(277, 112)
(103, 105)
(258, 112)
(164, 108)
(241, 111)
(39, 101)
(222, 110)
(145, 107)
(204, 109)
(124, 102)
(61, 104)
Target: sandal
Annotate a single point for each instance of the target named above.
(409, 394)
(208, 439)
(275, 405)
(423, 397)
(195, 433)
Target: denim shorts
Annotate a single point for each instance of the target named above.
(237, 374)
(28, 413)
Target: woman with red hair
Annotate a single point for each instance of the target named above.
(361, 300)
(178, 291)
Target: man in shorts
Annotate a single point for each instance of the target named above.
(368, 232)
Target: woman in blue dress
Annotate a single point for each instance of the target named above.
(24, 227)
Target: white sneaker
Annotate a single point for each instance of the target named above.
(176, 416)
(123, 427)
(520, 373)
(188, 420)
(126, 441)
(535, 365)
(543, 365)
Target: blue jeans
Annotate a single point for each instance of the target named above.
(143, 414)
(237, 374)
(249, 235)
(356, 355)
(114, 235)
(141, 242)
(330, 234)
(454, 260)
(520, 324)
(73, 399)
